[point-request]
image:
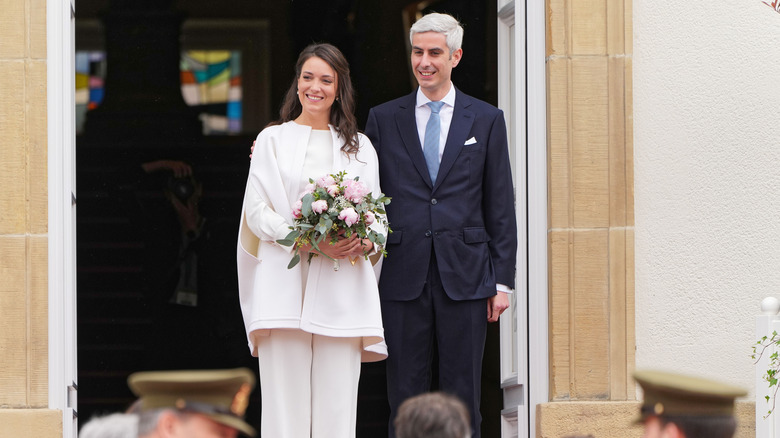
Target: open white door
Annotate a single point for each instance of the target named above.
(522, 97)
(62, 211)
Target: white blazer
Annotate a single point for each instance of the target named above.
(343, 303)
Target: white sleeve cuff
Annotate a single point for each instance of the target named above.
(503, 288)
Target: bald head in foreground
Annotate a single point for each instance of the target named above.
(432, 415)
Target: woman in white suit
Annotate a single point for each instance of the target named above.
(310, 325)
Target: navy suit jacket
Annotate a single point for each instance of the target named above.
(467, 219)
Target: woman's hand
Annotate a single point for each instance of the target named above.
(364, 246)
(344, 247)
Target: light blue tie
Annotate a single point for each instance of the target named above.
(431, 140)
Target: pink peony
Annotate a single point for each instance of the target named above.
(297, 209)
(355, 191)
(370, 218)
(325, 181)
(349, 216)
(319, 206)
(333, 190)
(308, 189)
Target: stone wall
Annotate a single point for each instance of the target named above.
(23, 223)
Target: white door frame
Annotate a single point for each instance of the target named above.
(523, 98)
(60, 84)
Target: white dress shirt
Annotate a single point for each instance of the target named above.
(422, 112)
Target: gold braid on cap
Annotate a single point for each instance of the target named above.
(241, 400)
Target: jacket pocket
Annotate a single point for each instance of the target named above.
(394, 238)
(475, 235)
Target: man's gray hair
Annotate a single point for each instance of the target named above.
(119, 425)
(444, 24)
(147, 420)
(432, 415)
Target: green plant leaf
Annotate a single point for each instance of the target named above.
(306, 204)
(296, 258)
(289, 240)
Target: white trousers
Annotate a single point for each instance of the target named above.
(309, 385)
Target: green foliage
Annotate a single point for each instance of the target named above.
(312, 224)
(771, 374)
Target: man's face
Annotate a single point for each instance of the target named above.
(654, 428)
(199, 426)
(432, 63)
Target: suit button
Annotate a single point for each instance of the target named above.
(434, 201)
(428, 233)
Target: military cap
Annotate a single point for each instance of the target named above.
(672, 394)
(221, 395)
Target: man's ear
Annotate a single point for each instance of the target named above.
(456, 55)
(672, 431)
(167, 424)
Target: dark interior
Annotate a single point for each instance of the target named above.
(128, 236)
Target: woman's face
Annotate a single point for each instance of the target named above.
(317, 87)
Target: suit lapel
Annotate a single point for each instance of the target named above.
(407, 128)
(460, 127)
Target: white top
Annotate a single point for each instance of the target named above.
(319, 156)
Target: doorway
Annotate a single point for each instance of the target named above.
(126, 320)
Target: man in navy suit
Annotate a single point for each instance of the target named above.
(443, 158)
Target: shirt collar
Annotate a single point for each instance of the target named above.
(449, 99)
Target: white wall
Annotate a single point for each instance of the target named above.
(707, 182)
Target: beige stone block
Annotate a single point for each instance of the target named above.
(38, 343)
(37, 29)
(588, 20)
(630, 316)
(560, 303)
(629, 126)
(37, 161)
(745, 412)
(618, 316)
(12, 152)
(557, 28)
(590, 142)
(601, 419)
(13, 324)
(559, 163)
(13, 36)
(616, 25)
(613, 419)
(590, 318)
(617, 143)
(628, 10)
(38, 423)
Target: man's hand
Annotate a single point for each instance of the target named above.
(496, 305)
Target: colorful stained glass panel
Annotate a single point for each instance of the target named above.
(210, 80)
(90, 74)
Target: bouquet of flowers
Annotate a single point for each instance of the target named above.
(331, 207)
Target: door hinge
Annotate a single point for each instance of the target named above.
(73, 398)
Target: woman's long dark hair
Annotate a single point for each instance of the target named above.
(342, 112)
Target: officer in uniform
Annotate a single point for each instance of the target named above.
(193, 404)
(679, 406)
